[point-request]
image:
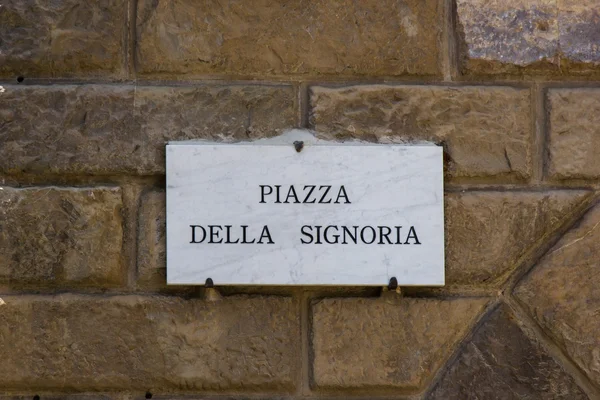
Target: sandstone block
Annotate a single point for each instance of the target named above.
(502, 362)
(563, 293)
(93, 343)
(362, 343)
(52, 236)
(220, 112)
(487, 232)
(70, 396)
(579, 31)
(108, 129)
(528, 35)
(345, 37)
(486, 131)
(152, 268)
(62, 38)
(574, 140)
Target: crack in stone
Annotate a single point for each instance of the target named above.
(576, 240)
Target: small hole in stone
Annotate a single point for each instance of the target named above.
(36, 397)
(148, 395)
(543, 26)
(20, 79)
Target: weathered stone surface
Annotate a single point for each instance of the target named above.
(51, 236)
(498, 35)
(501, 362)
(574, 141)
(506, 36)
(109, 129)
(487, 232)
(486, 130)
(579, 31)
(226, 113)
(384, 37)
(62, 38)
(135, 343)
(563, 294)
(396, 343)
(152, 268)
(70, 396)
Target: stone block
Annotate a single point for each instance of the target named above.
(386, 343)
(67, 236)
(151, 265)
(502, 362)
(133, 343)
(562, 293)
(102, 129)
(574, 133)
(529, 36)
(370, 37)
(65, 38)
(486, 131)
(488, 232)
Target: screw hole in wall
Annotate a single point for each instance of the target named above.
(148, 395)
(20, 79)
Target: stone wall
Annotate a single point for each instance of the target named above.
(92, 90)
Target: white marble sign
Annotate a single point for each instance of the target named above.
(263, 213)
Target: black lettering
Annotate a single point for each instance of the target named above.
(412, 234)
(308, 234)
(336, 236)
(228, 235)
(340, 234)
(295, 196)
(342, 193)
(277, 187)
(328, 187)
(265, 234)
(263, 194)
(362, 234)
(194, 233)
(312, 188)
(398, 234)
(244, 241)
(347, 231)
(214, 234)
(318, 241)
(384, 235)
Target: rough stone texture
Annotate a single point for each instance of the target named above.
(563, 294)
(152, 267)
(487, 232)
(396, 343)
(51, 236)
(375, 37)
(500, 36)
(95, 343)
(111, 396)
(122, 129)
(579, 30)
(574, 126)
(502, 363)
(486, 131)
(62, 38)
